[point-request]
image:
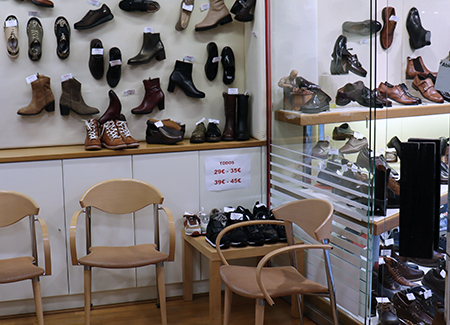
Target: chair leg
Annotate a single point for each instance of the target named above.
(38, 300)
(227, 306)
(162, 291)
(300, 309)
(259, 312)
(87, 294)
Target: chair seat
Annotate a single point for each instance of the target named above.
(18, 269)
(279, 281)
(123, 257)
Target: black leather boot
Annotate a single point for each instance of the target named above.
(242, 10)
(151, 47)
(418, 36)
(242, 132)
(230, 117)
(113, 110)
(182, 77)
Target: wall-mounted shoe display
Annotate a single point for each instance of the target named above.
(43, 97)
(363, 28)
(242, 8)
(139, 5)
(218, 14)
(153, 97)
(212, 62)
(114, 67)
(389, 24)
(418, 36)
(92, 141)
(182, 77)
(11, 29)
(152, 47)
(62, 32)
(96, 60)
(199, 133)
(114, 109)
(185, 14)
(35, 34)
(164, 132)
(125, 133)
(94, 18)
(72, 99)
(110, 136)
(213, 133)
(228, 63)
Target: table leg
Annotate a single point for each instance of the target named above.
(215, 294)
(188, 277)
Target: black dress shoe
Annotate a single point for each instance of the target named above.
(94, 18)
(62, 32)
(354, 65)
(114, 67)
(387, 314)
(213, 133)
(96, 61)
(139, 5)
(228, 63)
(164, 132)
(337, 65)
(212, 63)
(418, 36)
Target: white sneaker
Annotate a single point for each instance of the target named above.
(192, 224)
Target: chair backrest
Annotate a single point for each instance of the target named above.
(15, 206)
(121, 195)
(314, 216)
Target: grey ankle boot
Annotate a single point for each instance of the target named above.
(71, 99)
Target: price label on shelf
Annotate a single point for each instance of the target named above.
(227, 172)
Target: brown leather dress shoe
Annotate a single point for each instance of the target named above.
(396, 93)
(426, 88)
(43, 3)
(415, 67)
(389, 24)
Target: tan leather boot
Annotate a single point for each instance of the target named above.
(125, 133)
(92, 141)
(42, 97)
(71, 99)
(185, 14)
(218, 14)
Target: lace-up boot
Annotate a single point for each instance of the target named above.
(111, 138)
(254, 236)
(410, 309)
(393, 267)
(125, 133)
(92, 141)
(217, 222)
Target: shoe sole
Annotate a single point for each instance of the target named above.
(214, 244)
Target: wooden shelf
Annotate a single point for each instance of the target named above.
(359, 113)
(77, 151)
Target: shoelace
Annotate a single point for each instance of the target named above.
(93, 135)
(123, 128)
(386, 307)
(34, 35)
(111, 130)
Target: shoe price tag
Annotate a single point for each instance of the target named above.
(236, 216)
(364, 41)
(228, 209)
(213, 121)
(410, 296)
(321, 165)
(115, 62)
(94, 2)
(339, 172)
(233, 91)
(354, 168)
(344, 168)
(333, 151)
(204, 7)
(97, 51)
(393, 18)
(382, 300)
(380, 261)
(358, 135)
(254, 34)
(385, 252)
(389, 242)
(189, 58)
(200, 121)
(187, 7)
(442, 274)
(188, 213)
(34, 13)
(148, 30)
(129, 92)
(31, 78)
(159, 124)
(11, 23)
(216, 59)
(428, 294)
(66, 77)
(327, 138)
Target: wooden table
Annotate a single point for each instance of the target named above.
(199, 243)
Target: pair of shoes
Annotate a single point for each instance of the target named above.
(35, 34)
(389, 24)
(212, 63)
(72, 99)
(417, 66)
(236, 117)
(11, 29)
(43, 97)
(418, 36)
(139, 5)
(94, 18)
(398, 94)
(363, 28)
(62, 33)
(426, 87)
(152, 47)
(153, 96)
(254, 236)
(185, 14)
(242, 8)
(410, 309)
(192, 224)
(343, 60)
(359, 93)
(96, 63)
(218, 14)
(182, 77)
(164, 131)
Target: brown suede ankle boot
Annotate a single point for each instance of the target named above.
(153, 97)
(230, 117)
(71, 99)
(42, 97)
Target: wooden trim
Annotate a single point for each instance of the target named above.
(77, 151)
(73, 237)
(46, 241)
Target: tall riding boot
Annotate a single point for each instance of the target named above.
(112, 113)
(42, 97)
(151, 47)
(154, 96)
(182, 77)
(71, 99)
(218, 14)
(242, 132)
(230, 117)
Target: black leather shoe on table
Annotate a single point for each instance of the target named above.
(94, 18)
(213, 133)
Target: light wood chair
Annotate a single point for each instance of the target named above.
(15, 206)
(122, 196)
(265, 283)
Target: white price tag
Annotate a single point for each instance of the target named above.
(148, 30)
(358, 135)
(382, 300)
(354, 168)
(233, 91)
(339, 172)
(364, 41)
(389, 242)
(254, 34)
(94, 2)
(129, 92)
(187, 7)
(344, 168)
(189, 58)
(11, 23)
(97, 51)
(321, 165)
(66, 77)
(216, 59)
(200, 121)
(228, 209)
(333, 151)
(115, 62)
(159, 124)
(442, 274)
(31, 78)
(236, 216)
(428, 294)
(211, 120)
(411, 296)
(385, 252)
(188, 213)
(327, 138)
(204, 7)
(393, 18)
(34, 13)
(228, 172)
(380, 261)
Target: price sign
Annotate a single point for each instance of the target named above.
(227, 172)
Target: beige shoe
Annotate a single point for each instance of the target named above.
(218, 14)
(92, 141)
(125, 133)
(11, 28)
(43, 97)
(111, 138)
(185, 14)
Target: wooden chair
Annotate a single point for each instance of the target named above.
(15, 206)
(122, 196)
(265, 283)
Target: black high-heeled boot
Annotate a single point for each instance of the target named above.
(151, 47)
(418, 36)
(182, 77)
